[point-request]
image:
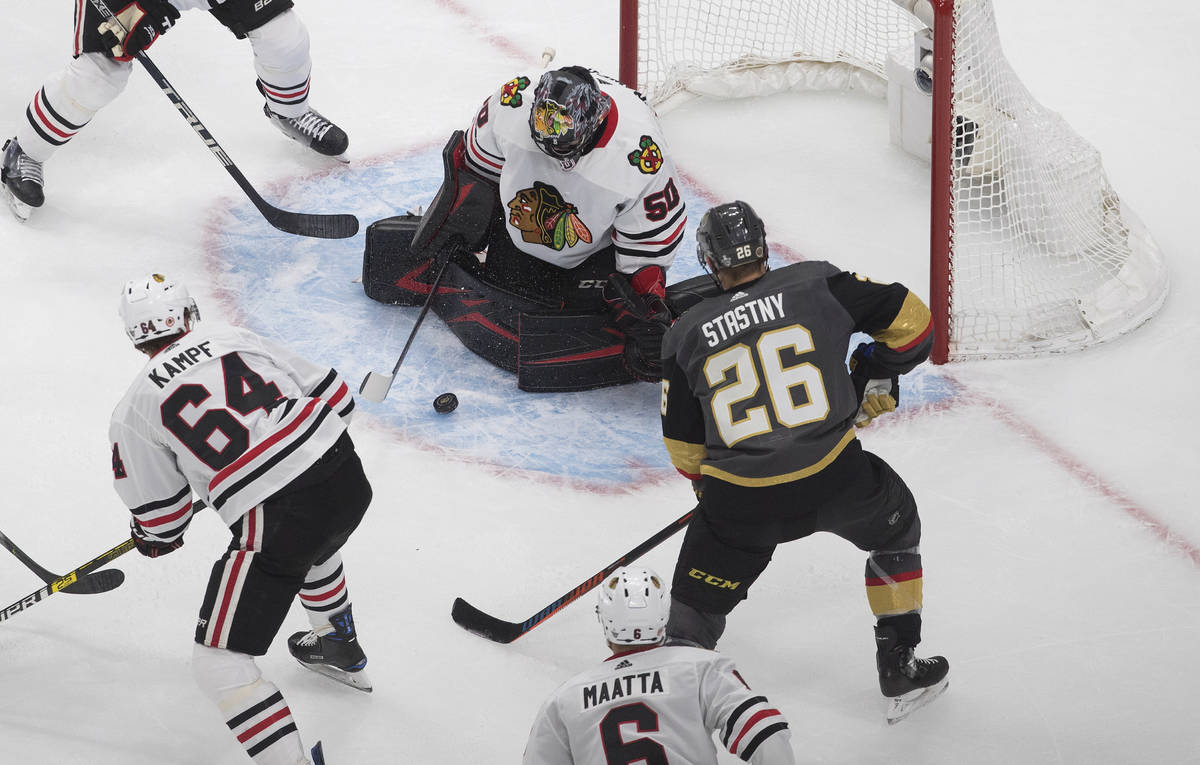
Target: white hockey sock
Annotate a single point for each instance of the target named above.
(253, 708)
(324, 592)
(283, 64)
(68, 101)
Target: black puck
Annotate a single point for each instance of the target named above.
(445, 403)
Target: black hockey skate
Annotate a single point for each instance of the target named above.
(333, 651)
(908, 682)
(312, 130)
(21, 176)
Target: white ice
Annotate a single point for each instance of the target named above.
(1062, 556)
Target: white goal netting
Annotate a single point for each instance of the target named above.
(1042, 254)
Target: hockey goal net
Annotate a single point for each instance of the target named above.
(1032, 251)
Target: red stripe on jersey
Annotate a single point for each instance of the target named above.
(924, 334)
(253, 454)
(250, 733)
(479, 155)
(671, 237)
(610, 125)
(758, 716)
(315, 598)
(907, 576)
(227, 596)
(251, 528)
(166, 518)
(341, 393)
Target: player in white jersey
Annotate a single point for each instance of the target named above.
(260, 435)
(651, 703)
(565, 178)
(102, 61)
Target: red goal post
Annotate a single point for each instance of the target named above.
(1031, 250)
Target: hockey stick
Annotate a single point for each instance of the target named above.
(375, 385)
(301, 224)
(90, 584)
(66, 580)
(472, 619)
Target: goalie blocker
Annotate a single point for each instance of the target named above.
(549, 350)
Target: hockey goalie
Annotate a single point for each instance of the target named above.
(547, 245)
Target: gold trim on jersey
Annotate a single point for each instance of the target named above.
(775, 480)
(684, 456)
(910, 324)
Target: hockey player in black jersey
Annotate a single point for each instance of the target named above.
(759, 409)
(100, 67)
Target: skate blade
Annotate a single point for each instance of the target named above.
(903, 706)
(357, 680)
(19, 208)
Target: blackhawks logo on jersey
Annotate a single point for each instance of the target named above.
(543, 217)
(647, 157)
(510, 94)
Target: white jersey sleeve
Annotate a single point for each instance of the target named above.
(623, 193)
(548, 739)
(746, 723)
(223, 414)
(662, 704)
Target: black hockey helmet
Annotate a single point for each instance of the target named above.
(730, 235)
(568, 109)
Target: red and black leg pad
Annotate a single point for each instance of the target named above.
(569, 352)
(392, 273)
(485, 318)
(462, 207)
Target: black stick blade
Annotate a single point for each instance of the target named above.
(487, 626)
(341, 226)
(100, 581)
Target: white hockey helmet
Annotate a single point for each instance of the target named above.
(633, 607)
(155, 306)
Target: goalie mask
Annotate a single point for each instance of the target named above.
(633, 607)
(567, 112)
(156, 306)
(730, 235)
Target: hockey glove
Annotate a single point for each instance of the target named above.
(136, 26)
(877, 388)
(638, 310)
(153, 548)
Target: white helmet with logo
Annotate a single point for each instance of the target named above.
(633, 607)
(155, 306)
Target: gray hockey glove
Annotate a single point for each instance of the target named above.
(136, 26)
(877, 388)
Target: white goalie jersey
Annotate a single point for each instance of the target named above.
(658, 705)
(623, 192)
(227, 415)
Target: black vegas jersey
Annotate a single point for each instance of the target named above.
(755, 386)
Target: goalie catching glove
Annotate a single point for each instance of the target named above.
(640, 311)
(136, 26)
(877, 388)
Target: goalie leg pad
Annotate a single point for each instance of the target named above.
(570, 352)
(485, 318)
(392, 273)
(462, 207)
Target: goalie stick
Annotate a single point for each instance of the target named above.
(89, 584)
(66, 580)
(302, 224)
(375, 385)
(487, 626)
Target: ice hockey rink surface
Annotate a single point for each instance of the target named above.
(1061, 540)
